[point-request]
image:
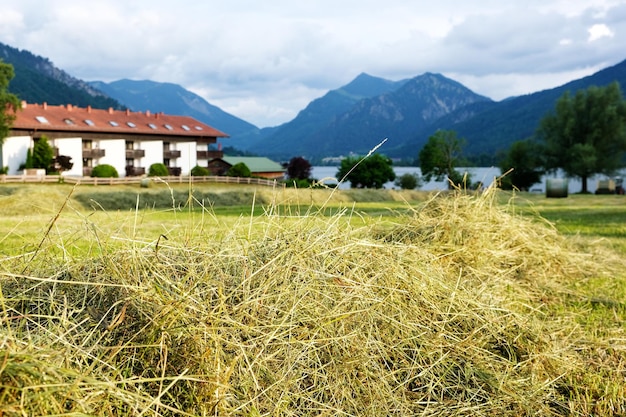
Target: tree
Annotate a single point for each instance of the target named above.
(239, 170)
(43, 154)
(199, 171)
(367, 172)
(62, 163)
(299, 168)
(586, 133)
(409, 181)
(440, 155)
(525, 162)
(9, 103)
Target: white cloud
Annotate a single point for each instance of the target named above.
(599, 31)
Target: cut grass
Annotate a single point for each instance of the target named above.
(454, 306)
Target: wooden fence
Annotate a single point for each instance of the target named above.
(183, 179)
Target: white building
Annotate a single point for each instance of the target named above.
(129, 141)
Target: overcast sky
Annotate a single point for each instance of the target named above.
(265, 61)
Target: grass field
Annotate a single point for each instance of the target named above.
(252, 301)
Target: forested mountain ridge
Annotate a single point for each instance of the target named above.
(37, 80)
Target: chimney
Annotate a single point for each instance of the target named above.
(110, 110)
(88, 108)
(148, 113)
(45, 105)
(24, 104)
(69, 107)
(127, 112)
(156, 115)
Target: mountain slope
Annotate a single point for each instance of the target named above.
(396, 115)
(495, 127)
(321, 112)
(173, 99)
(37, 80)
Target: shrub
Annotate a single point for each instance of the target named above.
(158, 170)
(199, 171)
(104, 171)
(239, 170)
(409, 181)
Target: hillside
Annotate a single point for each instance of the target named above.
(37, 80)
(361, 124)
(173, 99)
(493, 127)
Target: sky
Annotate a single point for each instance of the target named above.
(265, 61)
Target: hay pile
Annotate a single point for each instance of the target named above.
(440, 313)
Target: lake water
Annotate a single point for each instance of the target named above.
(484, 174)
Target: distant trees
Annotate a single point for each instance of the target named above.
(525, 162)
(299, 168)
(441, 154)
(9, 103)
(408, 181)
(586, 133)
(367, 172)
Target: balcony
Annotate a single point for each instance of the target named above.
(93, 153)
(209, 154)
(167, 154)
(135, 153)
(132, 171)
(174, 171)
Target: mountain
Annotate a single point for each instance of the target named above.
(173, 99)
(493, 127)
(37, 80)
(333, 125)
(278, 142)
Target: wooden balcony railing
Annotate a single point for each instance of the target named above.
(210, 154)
(93, 153)
(132, 171)
(171, 154)
(135, 153)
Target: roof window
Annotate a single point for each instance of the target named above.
(185, 127)
(168, 127)
(152, 126)
(131, 124)
(198, 127)
(69, 122)
(89, 122)
(42, 119)
(113, 123)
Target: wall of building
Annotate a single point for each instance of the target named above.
(115, 154)
(188, 157)
(153, 155)
(14, 152)
(72, 147)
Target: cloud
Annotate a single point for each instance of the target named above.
(265, 61)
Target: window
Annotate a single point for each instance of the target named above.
(69, 122)
(168, 127)
(152, 126)
(89, 122)
(130, 145)
(185, 127)
(198, 127)
(131, 124)
(42, 119)
(113, 123)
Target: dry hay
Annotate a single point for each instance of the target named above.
(439, 313)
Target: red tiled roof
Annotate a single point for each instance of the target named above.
(75, 119)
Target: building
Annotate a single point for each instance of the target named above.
(259, 166)
(129, 141)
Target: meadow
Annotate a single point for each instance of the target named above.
(250, 301)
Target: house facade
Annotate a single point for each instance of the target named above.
(129, 141)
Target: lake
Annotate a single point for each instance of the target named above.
(484, 174)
